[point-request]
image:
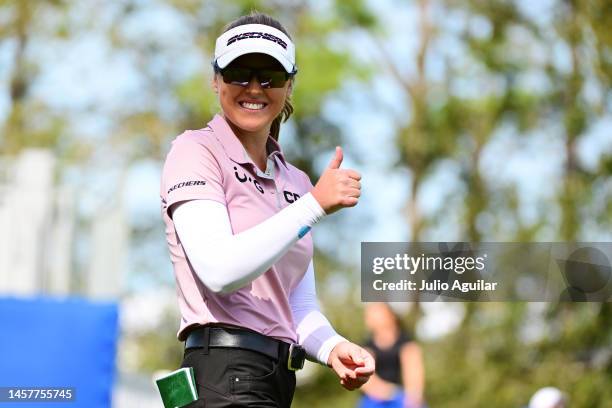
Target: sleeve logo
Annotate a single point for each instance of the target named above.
(187, 184)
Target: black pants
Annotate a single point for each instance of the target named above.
(232, 377)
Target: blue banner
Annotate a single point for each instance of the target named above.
(57, 352)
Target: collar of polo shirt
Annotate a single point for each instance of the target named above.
(235, 149)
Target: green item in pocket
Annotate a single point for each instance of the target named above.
(178, 388)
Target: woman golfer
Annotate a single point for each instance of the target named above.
(399, 380)
(238, 217)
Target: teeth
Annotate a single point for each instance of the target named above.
(249, 105)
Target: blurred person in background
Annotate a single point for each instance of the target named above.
(548, 397)
(399, 379)
(238, 219)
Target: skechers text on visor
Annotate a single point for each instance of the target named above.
(255, 38)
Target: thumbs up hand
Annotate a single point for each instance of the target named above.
(337, 188)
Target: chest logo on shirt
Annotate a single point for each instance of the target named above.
(246, 178)
(290, 197)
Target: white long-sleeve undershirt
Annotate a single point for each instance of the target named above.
(315, 333)
(204, 229)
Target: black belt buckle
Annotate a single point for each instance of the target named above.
(297, 355)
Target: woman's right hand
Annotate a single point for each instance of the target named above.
(337, 188)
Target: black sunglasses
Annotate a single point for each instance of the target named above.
(267, 78)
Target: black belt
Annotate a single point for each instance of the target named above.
(215, 336)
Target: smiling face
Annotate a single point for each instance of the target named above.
(251, 109)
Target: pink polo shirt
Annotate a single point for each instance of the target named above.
(212, 164)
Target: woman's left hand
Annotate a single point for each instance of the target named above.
(353, 364)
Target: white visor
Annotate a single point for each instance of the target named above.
(255, 38)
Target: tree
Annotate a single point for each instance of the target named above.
(18, 129)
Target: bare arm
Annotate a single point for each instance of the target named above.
(413, 373)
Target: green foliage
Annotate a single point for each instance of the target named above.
(354, 13)
(198, 99)
(29, 122)
(486, 360)
(157, 349)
